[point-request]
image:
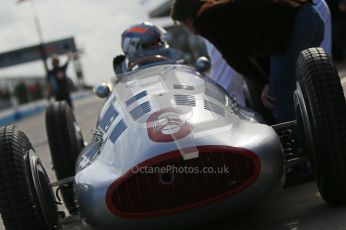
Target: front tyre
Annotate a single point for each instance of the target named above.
(321, 116)
(65, 142)
(26, 198)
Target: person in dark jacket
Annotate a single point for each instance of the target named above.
(57, 80)
(245, 31)
(338, 11)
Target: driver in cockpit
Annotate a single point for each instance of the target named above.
(144, 45)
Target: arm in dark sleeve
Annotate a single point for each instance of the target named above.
(248, 67)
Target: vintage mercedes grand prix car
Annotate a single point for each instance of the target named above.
(171, 147)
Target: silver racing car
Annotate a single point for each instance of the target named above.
(171, 147)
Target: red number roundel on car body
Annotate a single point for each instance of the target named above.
(167, 125)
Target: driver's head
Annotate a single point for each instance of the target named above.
(55, 61)
(143, 40)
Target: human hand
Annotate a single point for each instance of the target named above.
(48, 92)
(268, 101)
(69, 54)
(118, 60)
(290, 3)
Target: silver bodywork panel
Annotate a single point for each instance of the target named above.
(170, 96)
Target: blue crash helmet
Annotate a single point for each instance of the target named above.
(145, 39)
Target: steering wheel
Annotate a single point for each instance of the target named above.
(147, 59)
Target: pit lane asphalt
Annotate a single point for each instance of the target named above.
(295, 208)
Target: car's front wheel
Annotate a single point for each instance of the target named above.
(321, 116)
(65, 142)
(26, 198)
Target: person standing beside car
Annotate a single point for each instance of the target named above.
(57, 80)
(247, 30)
(233, 82)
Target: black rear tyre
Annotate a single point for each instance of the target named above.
(323, 124)
(65, 142)
(19, 200)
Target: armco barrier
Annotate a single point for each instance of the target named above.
(12, 115)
